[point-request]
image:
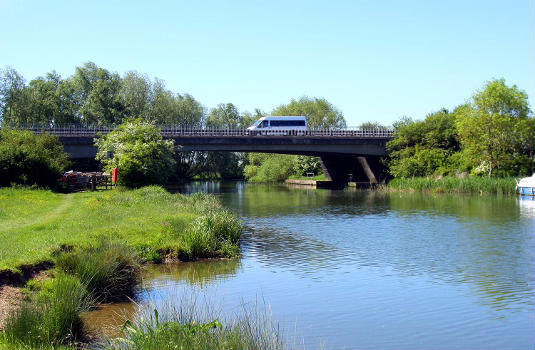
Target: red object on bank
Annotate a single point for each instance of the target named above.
(114, 175)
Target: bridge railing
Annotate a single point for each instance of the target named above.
(171, 131)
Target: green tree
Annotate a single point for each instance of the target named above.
(140, 154)
(98, 95)
(12, 97)
(226, 164)
(423, 148)
(29, 159)
(495, 129)
(319, 112)
(372, 125)
(136, 94)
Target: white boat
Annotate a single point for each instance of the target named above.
(526, 186)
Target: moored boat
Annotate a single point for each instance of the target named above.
(526, 185)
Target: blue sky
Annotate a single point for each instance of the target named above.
(374, 60)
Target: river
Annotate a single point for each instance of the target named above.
(371, 270)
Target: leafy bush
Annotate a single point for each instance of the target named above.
(110, 271)
(140, 154)
(53, 318)
(30, 159)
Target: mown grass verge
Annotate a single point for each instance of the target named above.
(36, 225)
(450, 184)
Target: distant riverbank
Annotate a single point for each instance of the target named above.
(450, 184)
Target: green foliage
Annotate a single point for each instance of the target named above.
(372, 125)
(193, 327)
(212, 235)
(318, 111)
(305, 165)
(450, 184)
(421, 148)
(110, 271)
(29, 159)
(52, 319)
(265, 167)
(496, 130)
(140, 154)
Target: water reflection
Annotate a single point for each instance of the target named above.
(197, 273)
(409, 268)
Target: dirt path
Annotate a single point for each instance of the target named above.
(10, 299)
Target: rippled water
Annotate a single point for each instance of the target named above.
(374, 270)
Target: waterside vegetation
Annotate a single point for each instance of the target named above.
(38, 224)
(452, 184)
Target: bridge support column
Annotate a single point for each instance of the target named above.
(342, 169)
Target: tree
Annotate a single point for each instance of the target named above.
(139, 153)
(136, 94)
(318, 111)
(12, 86)
(227, 165)
(494, 128)
(29, 159)
(372, 125)
(98, 94)
(423, 148)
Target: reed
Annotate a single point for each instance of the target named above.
(449, 184)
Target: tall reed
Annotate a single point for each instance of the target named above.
(449, 184)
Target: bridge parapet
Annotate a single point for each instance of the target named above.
(171, 131)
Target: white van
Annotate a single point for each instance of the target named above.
(280, 123)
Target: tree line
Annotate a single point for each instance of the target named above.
(492, 134)
(96, 96)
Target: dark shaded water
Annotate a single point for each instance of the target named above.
(374, 270)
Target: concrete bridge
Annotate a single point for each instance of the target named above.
(346, 155)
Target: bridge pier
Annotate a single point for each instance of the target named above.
(342, 169)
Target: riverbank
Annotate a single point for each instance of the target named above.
(158, 225)
(93, 244)
(450, 184)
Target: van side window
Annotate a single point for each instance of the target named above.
(265, 123)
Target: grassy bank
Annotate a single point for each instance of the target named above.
(38, 224)
(449, 184)
(320, 177)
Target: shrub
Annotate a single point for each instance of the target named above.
(140, 154)
(29, 159)
(110, 271)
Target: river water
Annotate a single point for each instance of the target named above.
(369, 270)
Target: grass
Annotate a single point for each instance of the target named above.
(37, 224)
(449, 184)
(110, 271)
(51, 319)
(194, 325)
(320, 177)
